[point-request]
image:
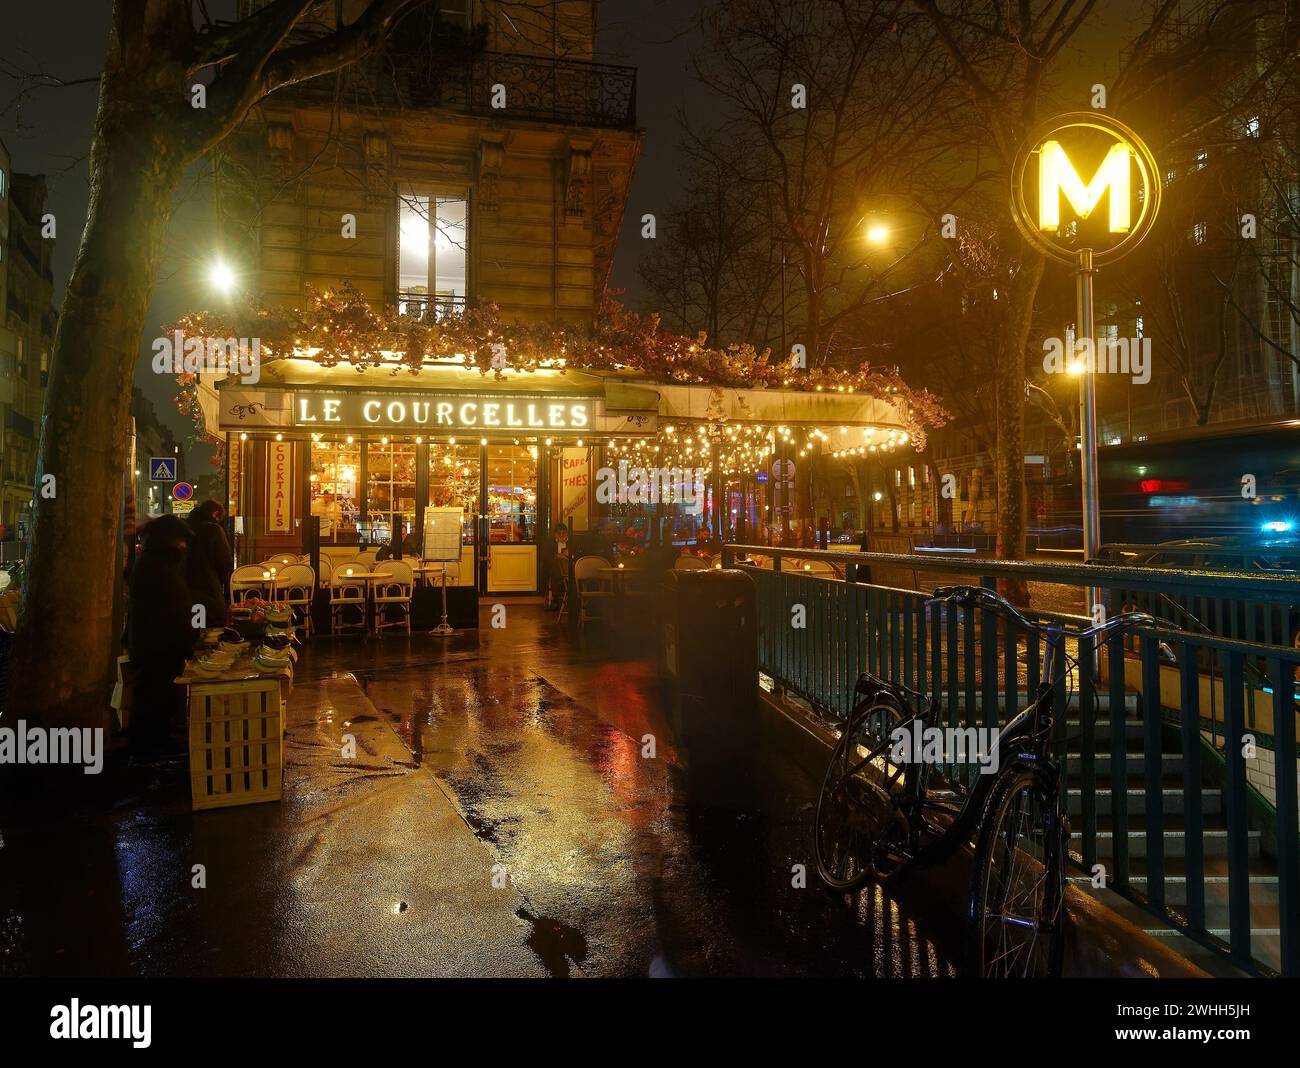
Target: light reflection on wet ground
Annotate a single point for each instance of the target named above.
(676, 864)
(680, 863)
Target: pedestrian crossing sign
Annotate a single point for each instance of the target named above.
(162, 468)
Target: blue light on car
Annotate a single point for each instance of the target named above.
(1278, 526)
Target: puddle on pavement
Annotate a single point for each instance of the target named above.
(556, 944)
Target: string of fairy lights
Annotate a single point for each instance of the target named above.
(740, 448)
(736, 448)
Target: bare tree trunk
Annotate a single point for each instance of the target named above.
(59, 670)
(1009, 393)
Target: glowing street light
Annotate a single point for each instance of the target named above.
(878, 235)
(222, 276)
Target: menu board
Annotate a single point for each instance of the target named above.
(442, 528)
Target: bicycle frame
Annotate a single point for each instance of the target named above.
(1025, 739)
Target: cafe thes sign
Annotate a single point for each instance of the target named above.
(441, 412)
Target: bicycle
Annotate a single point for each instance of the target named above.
(877, 816)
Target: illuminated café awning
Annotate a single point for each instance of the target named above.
(291, 396)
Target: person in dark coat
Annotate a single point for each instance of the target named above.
(209, 563)
(160, 632)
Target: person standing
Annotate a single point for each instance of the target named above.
(209, 562)
(160, 633)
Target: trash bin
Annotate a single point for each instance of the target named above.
(709, 642)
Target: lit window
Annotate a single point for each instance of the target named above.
(432, 255)
(1252, 126)
(335, 475)
(1198, 233)
(3, 186)
(1202, 158)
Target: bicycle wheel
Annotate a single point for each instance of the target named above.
(854, 813)
(1015, 922)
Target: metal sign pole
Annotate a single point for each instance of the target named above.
(444, 627)
(1088, 415)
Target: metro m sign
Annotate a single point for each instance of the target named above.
(1056, 175)
(1118, 168)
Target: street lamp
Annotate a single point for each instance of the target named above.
(878, 234)
(222, 276)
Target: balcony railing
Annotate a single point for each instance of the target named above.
(429, 309)
(540, 88)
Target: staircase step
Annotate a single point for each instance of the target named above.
(1211, 800)
(1102, 703)
(1263, 888)
(1170, 763)
(1214, 840)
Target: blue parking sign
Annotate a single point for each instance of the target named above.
(162, 468)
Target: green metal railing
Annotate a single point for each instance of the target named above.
(1154, 739)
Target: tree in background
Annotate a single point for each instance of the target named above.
(839, 109)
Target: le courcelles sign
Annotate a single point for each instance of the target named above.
(444, 412)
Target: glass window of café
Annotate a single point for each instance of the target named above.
(454, 482)
(390, 490)
(512, 494)
(335, 479)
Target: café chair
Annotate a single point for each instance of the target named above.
(248, 580)
(297, 585)
(593, 586)
(348, 589)
(395, 588)
(690, 563)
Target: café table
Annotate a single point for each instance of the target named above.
(618, 576)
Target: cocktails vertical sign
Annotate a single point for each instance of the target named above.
(1046, 174)
(279, 488)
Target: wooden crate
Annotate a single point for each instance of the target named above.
(236, 742)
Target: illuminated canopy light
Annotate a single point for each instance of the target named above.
(1056, 175)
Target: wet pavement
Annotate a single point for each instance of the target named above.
(519, 804)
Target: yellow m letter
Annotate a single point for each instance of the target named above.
(1056, 175)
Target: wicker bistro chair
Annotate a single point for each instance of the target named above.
(396, 588)
(249, 580)
(280, 561)
(369, 557)
(592, 586)
(348, 589)
(690, 563)
(296, 586)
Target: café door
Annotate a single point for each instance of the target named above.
(509, 548)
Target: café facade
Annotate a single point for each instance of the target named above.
(335, 460)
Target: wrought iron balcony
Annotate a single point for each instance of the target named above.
(538, 88)
(429, 309)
